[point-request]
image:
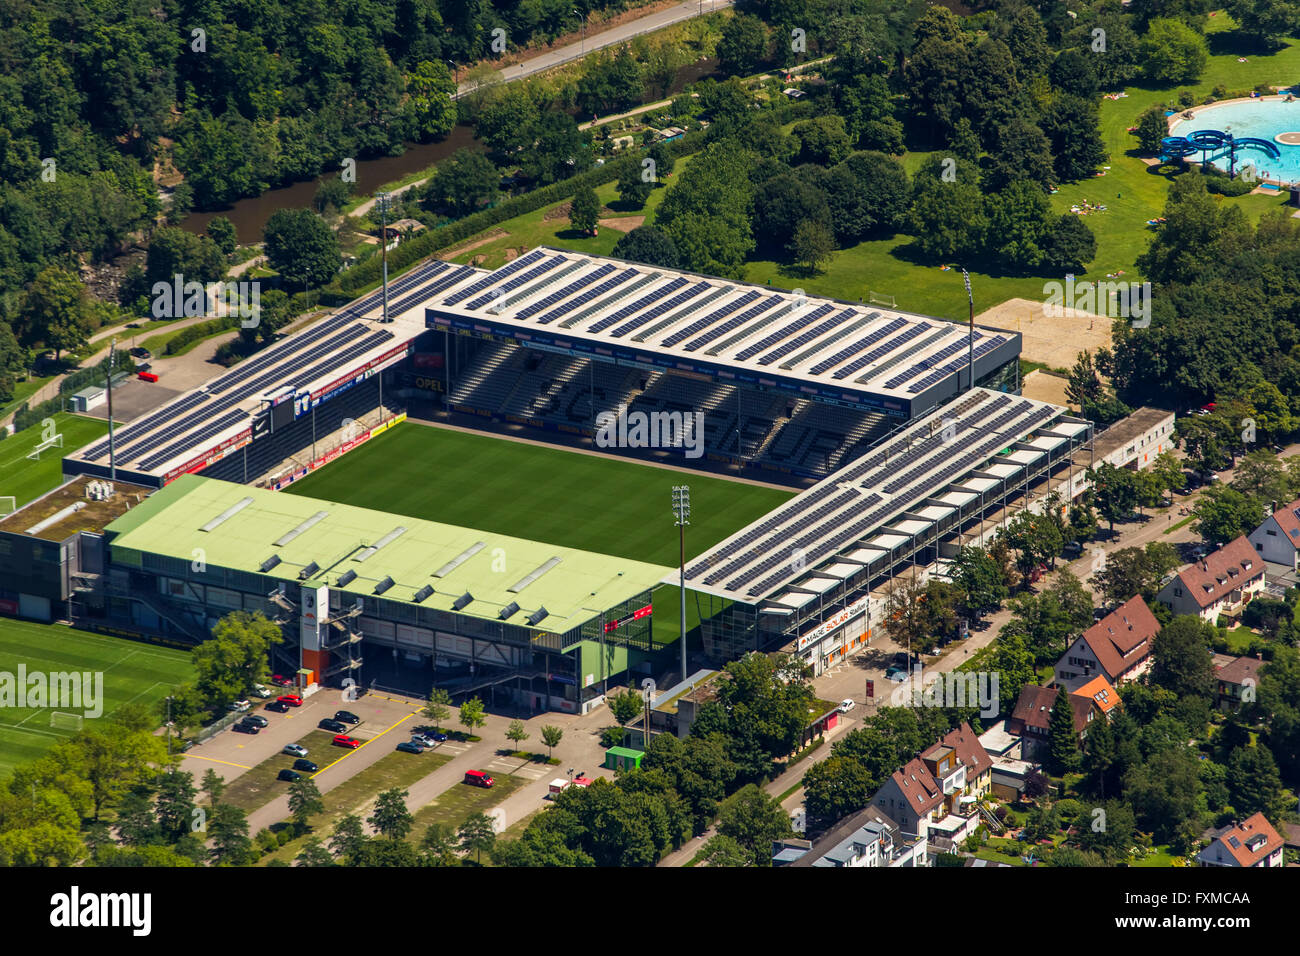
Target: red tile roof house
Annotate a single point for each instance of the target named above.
(934, 795)
(1252, 842)
(1032, 714)
(1118, 647)
(1278, 538)
(1220, 583)
(1235, 677)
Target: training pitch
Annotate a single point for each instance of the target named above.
(29, 478)
(133, 673)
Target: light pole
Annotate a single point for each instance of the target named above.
(682, 516)
(381, 200)
(970, 345)
(112, 449)
(582, 45)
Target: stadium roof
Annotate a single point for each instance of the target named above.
(207, 423)
(896, 362)
(889, 496)
(250, 525)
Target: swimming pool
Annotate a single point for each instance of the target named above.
(1260, 118)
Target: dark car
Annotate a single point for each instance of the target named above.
(257, 719)
(244, 728)
(287, 774)
(407, 747)
(333, 726)
(305, 765)
(347, 717)
(279, 680)
(277, 706)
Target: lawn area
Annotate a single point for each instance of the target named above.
(257, 786)
(24, 390)
(541, 493)
(534, 229)
(1161, 856)
(396, 769)
(460, 801)
(27, 479)
(133, 672)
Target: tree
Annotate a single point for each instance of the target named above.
(822, 141)
(175, 804)
(634, 186)
(1113, 491)
(463, 182)
(222, 231)
(331, 194)
(706, 213)
(978, 579)
(720, 850)
(649, 245)
(301, 247)
(55, 311)
(557, 149)
(1152, 128)
(1224, 514)
(1074, 137)
(234, 658)
(390, 817)
(812, 245)
(1173, 53)
(213, 785)
(947, 215)
(626, 706)
(742, 48)
(1070, 244)
(1265, 22)
(551, 736)
(767, 701)
(314, 854)
(1098, 756)
(471, 714)
(438, 708)
(782, 204)
(1180, 657)
(174, 251)
(836, 787)
(228, 831)
(754, 820)
(477, 834)
(1063, 742)
(439, 845)
(349, 839)
(1135, 571)
(304, 801)
(1255, 784)
(1019, 151)
(1163, 793)
(429, 91)
(1035, 538)
(516, 732)
(585, 210)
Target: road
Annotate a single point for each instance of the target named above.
(618, 34)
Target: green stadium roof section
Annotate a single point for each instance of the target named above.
(247, 526)
(866, 356)
(278, 384)
(898, 491)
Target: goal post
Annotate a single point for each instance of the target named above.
(55, 441)
(8, 504)
(879, 298)
(62, 721)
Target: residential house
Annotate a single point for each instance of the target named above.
(867, 838)
(1238, 681)
(935, 795)
(1252, 842)
(1118, 647)
(1277, 539)
(1221, 583)
(1031, 717)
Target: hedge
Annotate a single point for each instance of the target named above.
(200, 330)
(26, 417)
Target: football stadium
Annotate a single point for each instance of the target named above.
(472, 485)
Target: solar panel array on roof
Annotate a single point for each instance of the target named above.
(681, 335)
(751, 329)
(544, 282)
(651, 314)
(735, 322)
(618, 296)
(646, 300)
(880, 351)
(153, 421)
(940, 373)
(568, 290)
(203, 434)
(589, 295)
(840, 335)
(492, 278)
(546, 265)
(785, 331)
(680, 314)
(928, 362)
(854, 348)
(806, 337)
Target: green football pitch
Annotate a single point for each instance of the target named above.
(29, 478)
(541, 493)
(133, 673)
(546, 494)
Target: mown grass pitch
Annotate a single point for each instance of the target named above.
(133, 673)
(27, 479)
(589, 502)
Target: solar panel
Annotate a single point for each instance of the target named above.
(751, 329)
(840, 335)
(680, 314)
(735, 322)
(806, 337)
(591, 310)
(858, 346)
(681, 335)
(589, 295)
(646, 300)
(544, 282)
(568, 290)
(144, 426)
(880, 351)
(546, 265)
(492, 278)
(202, 435)
(785, 331)
(659, 309)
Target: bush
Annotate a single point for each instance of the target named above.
(283, 837)
(612, 736)
(1186, 98)
(199, 330)
(265, 841)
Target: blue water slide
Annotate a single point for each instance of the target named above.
(1269, 148)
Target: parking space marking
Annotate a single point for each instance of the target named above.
(366, 743)
(228, 763)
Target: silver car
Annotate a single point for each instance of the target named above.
(295, 750)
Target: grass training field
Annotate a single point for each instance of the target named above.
(27, 479)
(133, 673)
(540, 493)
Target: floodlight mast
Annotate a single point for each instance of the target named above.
(682, 516)
(112, 450)
(970, 344)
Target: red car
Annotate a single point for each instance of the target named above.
(343, 740)
(279, 680)
(293, 700)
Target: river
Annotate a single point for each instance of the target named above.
(250, 215)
